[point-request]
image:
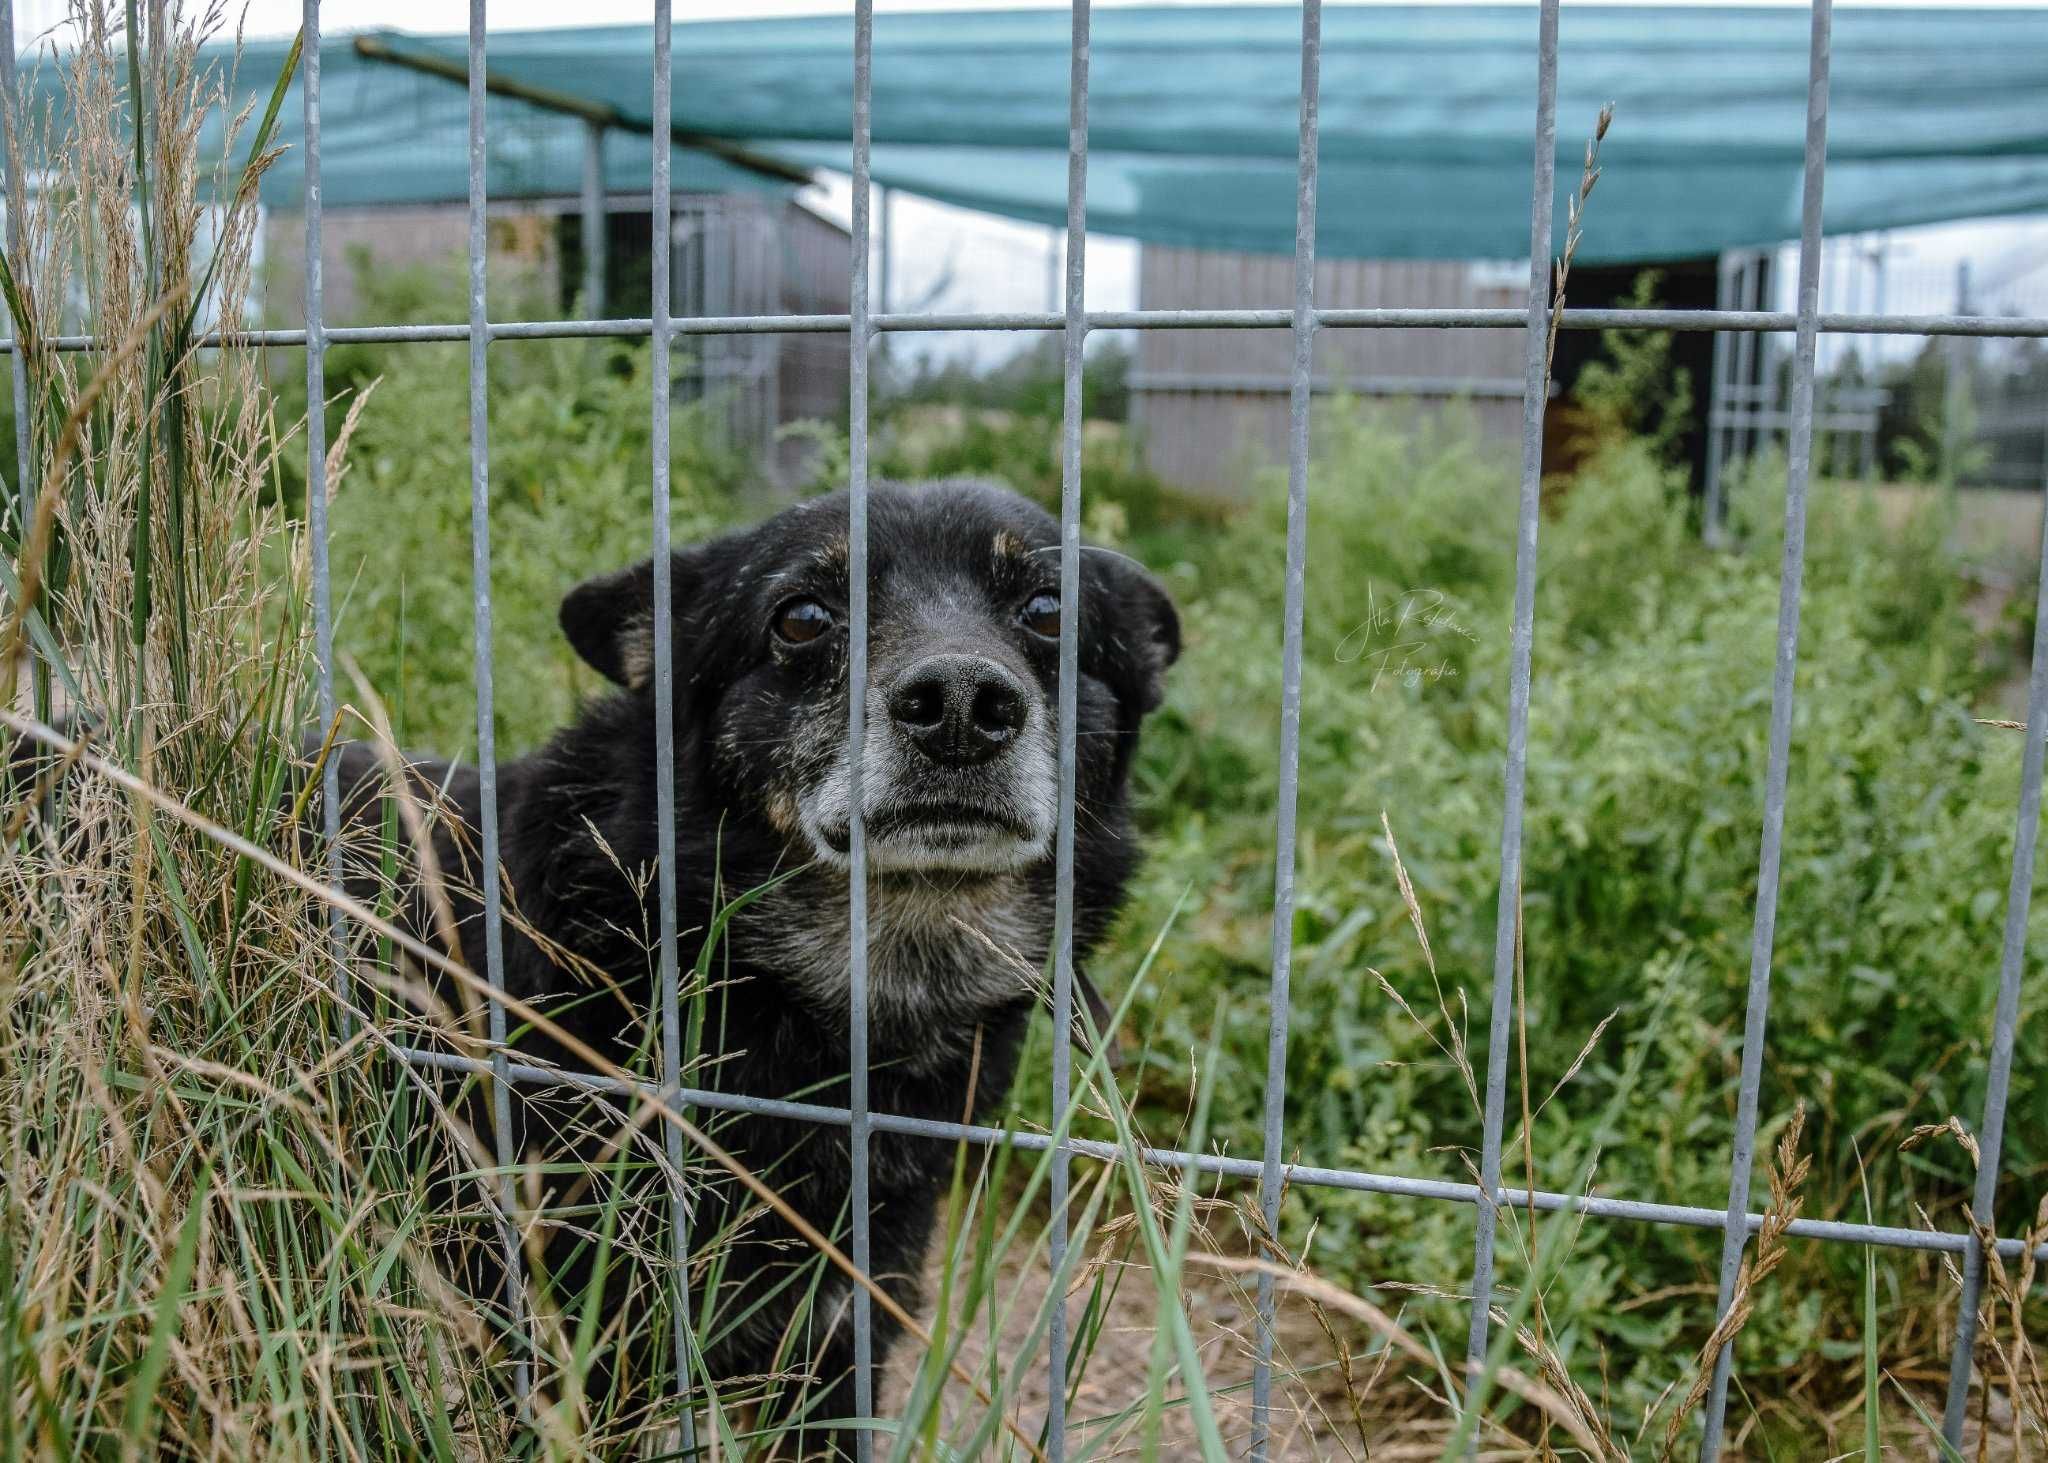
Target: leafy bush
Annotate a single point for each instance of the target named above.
(1631, 390)
(570, 496)
(1646, 761)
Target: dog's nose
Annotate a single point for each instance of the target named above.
(959, 710)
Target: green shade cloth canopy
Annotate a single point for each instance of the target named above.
(1427, 115)
(393, 135)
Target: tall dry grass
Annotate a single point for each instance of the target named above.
(201, 1254)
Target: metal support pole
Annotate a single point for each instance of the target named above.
(595, 243)
(1752, 363)
(1955, 390)
(1866, 447)
(1717, 405)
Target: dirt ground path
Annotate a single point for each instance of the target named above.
(1397, 1415)
(1311, 1417)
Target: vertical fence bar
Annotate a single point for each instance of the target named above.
(1074, 341)
(859, 335)
(1298, 392)
(1535, 394)
(24, 437)
(1799, 461)
(593, 223)
(316, 494)
(2005, 1020)
(486, 733)
(1743, 439)
(667, 965)
(1955, 393)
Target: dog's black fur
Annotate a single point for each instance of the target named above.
(959, 798)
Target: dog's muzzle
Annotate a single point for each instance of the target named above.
(957, 772)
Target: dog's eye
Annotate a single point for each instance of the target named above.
(801, 621)
(1041, 615)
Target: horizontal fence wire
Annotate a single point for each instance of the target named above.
(1747, 322)
(1364, 1181)
(1736, 1222)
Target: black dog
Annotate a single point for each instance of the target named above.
(960, 796)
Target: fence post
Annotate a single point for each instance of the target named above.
(1717, 406)
(594, 242)
(1955, 393)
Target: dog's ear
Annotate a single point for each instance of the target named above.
(1142, 627)
(610, 619)
(610, 622)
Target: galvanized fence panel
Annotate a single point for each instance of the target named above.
(861, 327)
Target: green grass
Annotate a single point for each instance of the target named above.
(1646, 761)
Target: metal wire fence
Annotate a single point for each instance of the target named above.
(1737, 1222)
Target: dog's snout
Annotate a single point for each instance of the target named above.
(959, 710)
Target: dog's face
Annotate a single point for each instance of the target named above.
(958, 768)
